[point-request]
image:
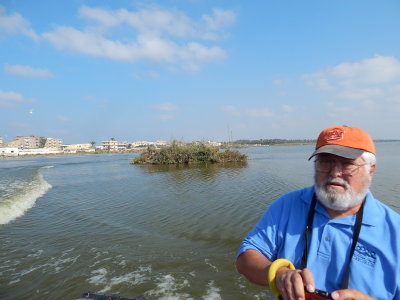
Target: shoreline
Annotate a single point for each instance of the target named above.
(62, 154)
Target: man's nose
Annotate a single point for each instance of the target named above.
(336, 170)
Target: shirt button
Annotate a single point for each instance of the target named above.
(327, 238)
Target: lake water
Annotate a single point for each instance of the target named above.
(97, 223)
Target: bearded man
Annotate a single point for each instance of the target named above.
(332, 240)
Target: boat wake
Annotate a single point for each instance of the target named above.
(19, 196)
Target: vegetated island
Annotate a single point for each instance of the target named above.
(188, 153)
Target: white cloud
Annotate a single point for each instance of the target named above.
(9, 99)
(232, 110)
(281, 82)
(288, 108)
(259, 113)
(376, 70)
(27, 71)
(16, 24)
(165, 111)
(219, 19)
(158, 35)
(102, 16)
(318, 80)
(165, 107)
(371, 78)
(248, 112)
(359, 93)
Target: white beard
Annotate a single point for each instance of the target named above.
(336, 200)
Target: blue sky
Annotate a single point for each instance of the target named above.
(188, 70)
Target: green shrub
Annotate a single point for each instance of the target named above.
(188, 153)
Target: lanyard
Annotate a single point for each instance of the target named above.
(307, 237)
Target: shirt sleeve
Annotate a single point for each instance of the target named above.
(265, 237)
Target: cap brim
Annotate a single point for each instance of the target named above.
(346, 152)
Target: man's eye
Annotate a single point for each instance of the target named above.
(348, 165)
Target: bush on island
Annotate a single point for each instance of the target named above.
(187, 153)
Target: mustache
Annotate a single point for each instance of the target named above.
(331, 180)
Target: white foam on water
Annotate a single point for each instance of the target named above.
(15, 206)
(168, 288)
(60, 262)
(99, 276)
(213, 292)
(132, 278)
(47, 167)
(122, 263)
(207, 261)
(30, 270)
(14, 281)
(36, 254)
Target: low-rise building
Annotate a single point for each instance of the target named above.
(8, 151)
(74, 148)
(161, 143)
(39, 151)
(141, 144)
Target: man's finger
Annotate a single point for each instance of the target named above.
(308, 280)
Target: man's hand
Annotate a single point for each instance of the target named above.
(291, 283)
(350, 294)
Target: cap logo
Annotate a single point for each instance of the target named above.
(334, 135)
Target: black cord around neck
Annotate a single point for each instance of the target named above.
(308, 232)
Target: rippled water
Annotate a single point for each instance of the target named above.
(96, 223)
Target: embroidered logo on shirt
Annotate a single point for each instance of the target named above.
(365, 255)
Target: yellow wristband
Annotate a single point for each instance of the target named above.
(271, 277)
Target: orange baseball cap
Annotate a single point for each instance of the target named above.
(348, 142)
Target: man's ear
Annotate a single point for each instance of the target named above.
(372, 170)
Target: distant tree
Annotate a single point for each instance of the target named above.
(112, 139)
(92, 143)
(42, 141)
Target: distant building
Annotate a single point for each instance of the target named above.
(39, 151)
(214, 143)
(140, 144)
(7, 151)
(53, 143)
(114, 146)
(77, 148)
(26, 142)
(1, 140)
(161, 143)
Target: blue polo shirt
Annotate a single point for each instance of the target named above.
(375, 266)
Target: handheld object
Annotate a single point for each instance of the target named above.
(317, 295)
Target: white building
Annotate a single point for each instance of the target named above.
(74, 148)
(140, 144)
(8, 151)
(39, 151)
(114, 146)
